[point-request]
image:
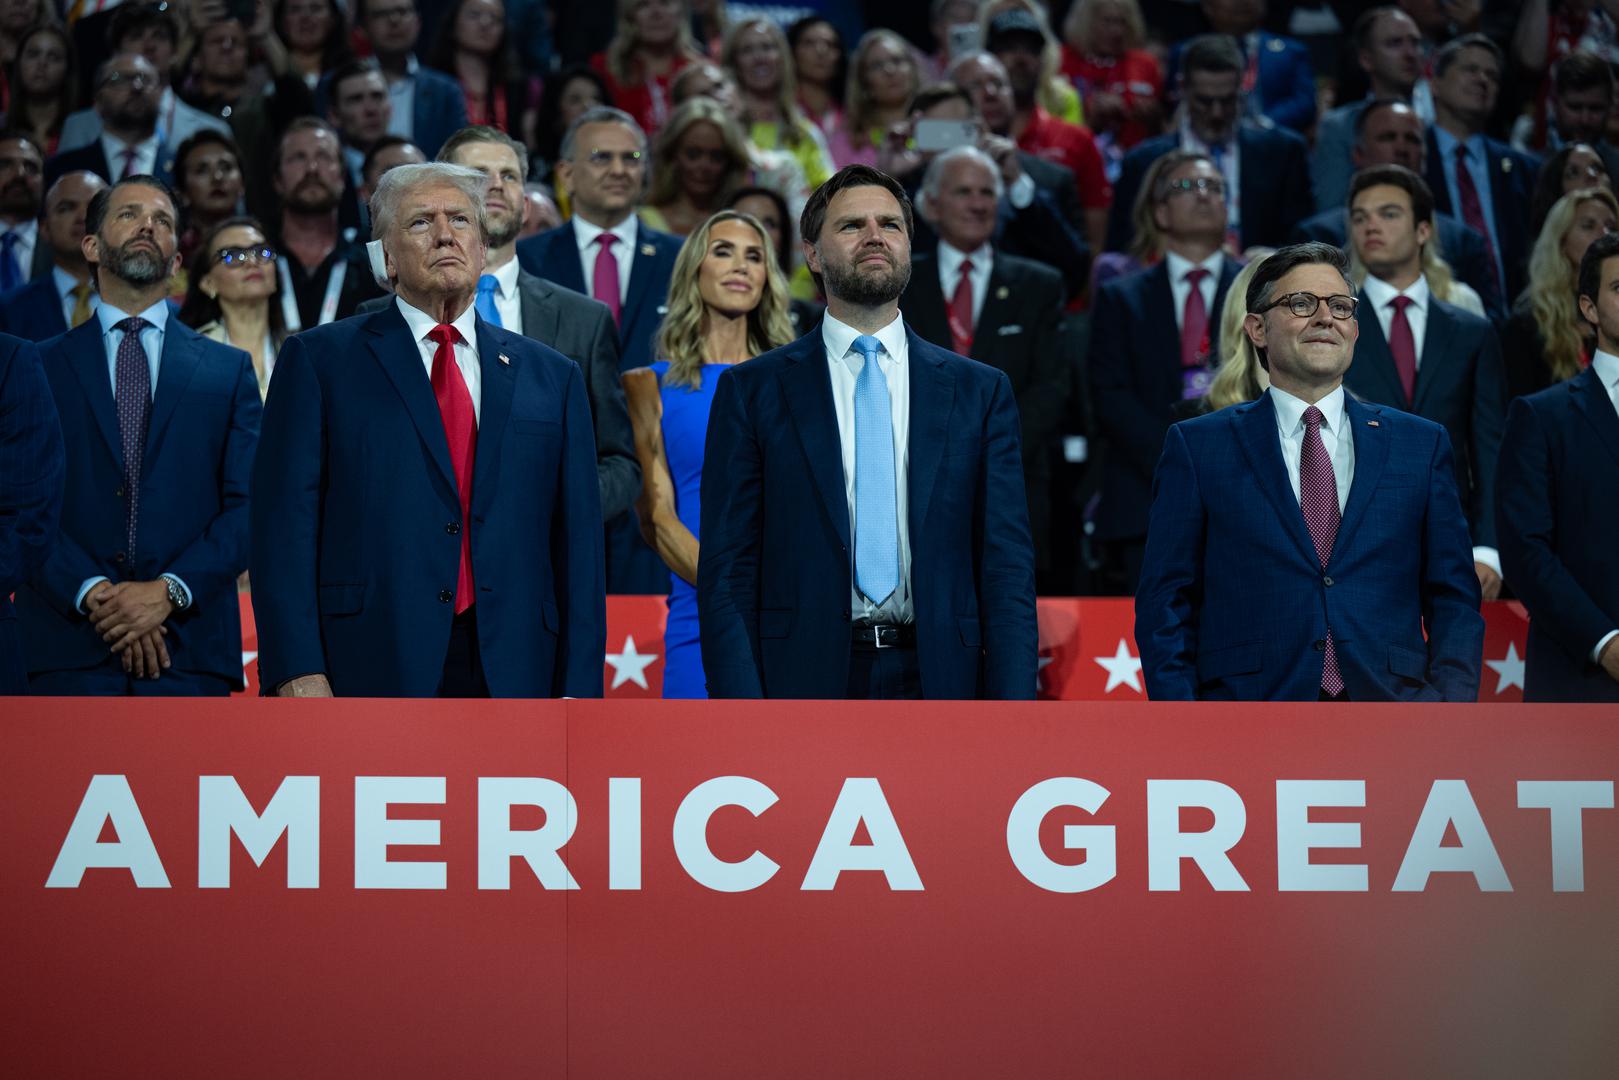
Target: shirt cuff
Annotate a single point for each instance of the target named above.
(184, 588)
(89, 583)
(1596, 653)
(1021, 193)
(1489, 557)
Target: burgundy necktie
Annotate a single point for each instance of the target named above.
(604, 281)
(128, 154)
(132, 394)
(1194, 334)
(1318, 498)
(961, 312)
(1403, 344)
(461, 429)
(1473, 211)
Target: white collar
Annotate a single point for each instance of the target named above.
(65, 282)
(951, 257)
(838, 337)
(1380, 294)
(505, 279)
(587, 233)
(421, 323)
(1606, 365)
(110, 317)
(26, 228)
(1290, 410)
(1179, 267)
(148, 143)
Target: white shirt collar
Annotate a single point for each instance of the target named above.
(839, 339)
(25, 230)
(1179, 267)
(506, 279)
(1380, 293)
(1607, 369)
(110, 317)
(421, 323)
(950, 259)
(118, 146)
(65, 282)
(587, 233)
(1290, 410)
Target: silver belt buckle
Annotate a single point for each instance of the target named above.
(877, 633)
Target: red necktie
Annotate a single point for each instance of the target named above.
(1318, 498)
(604, 281)
(1403, 344)
(461, 429)
(1195, 322)
(961, 312)
(1473, 211)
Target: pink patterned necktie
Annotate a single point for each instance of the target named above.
(1318, 498)
(604, 281)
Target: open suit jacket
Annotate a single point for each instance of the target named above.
(1460, 384)
(774, 582)
(1135, 376)
(1019, 331)
(1512, 184)
(357, 521)
(192, 520)
(1234, 604)
(1557, 510)
(32, 464)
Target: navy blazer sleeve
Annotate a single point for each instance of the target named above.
(617, 468)
(1171, 577)
(728, 570)
(1450, 590)
(1005, 557)
(577, 558)
(32, 465)
(1135, 431)
(1489, 410)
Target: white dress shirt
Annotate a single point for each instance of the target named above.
(402, 96)
(950, 260)
(845, 364)
(1335, 436)
(65, 284)
(145, 156)
(1380, 294)
(623, 251)
(507, 300)
(1180, 288)
(27, 235)
(466, 349)
(1606, 366)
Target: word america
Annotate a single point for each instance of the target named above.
(293, 812)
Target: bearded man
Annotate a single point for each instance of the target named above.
(160, 425)
(865, 531)
(325, 274)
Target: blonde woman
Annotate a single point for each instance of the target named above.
(883, 78)
(1240, 377)
(757, 56)
(727, 304)
(699, 160)
(651, 44)
(1546, 340)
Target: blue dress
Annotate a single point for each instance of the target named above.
(685, 429)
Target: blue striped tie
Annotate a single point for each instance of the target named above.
(876, 541)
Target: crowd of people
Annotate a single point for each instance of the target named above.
(208, 210)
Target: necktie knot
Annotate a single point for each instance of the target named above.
(1400, 303)
(1461, 152)
(1313, 418)
(868, 346)
(132, 325)
(1194, 276)
(966, 266)
(606, 241)
(487, 285)
(444, 334)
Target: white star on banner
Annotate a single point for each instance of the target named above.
(1122, 668)
(629, 665)
(1509, 669)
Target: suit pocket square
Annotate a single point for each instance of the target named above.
(1009, 330)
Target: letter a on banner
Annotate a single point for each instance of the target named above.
(861, 800)
(1451, 803)
(108, 798)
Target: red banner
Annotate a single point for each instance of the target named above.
(1087, 649)
(601, 889)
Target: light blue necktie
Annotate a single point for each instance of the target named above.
(876, 541)
(487, 287)
(10, 273)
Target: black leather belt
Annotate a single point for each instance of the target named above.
(883, 637)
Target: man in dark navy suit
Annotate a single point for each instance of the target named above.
(1557, 508)
(1154, 345)
(131, 143)
(65, 296)
(865, 533)
(139, 596)
(32, 465)
(428, 106)
(23, 254)
(1305, 546)
(427, 519)
(607, 254)
(1266, 169)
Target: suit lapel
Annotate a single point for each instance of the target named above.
(933, 390)
(1371, 454)
(924, 303)
(641, 274)
(394, 349)
(1262, 445)
(560, 258)
(807, 389)
(539, 317)
(499, 379)
(993, 315)
(1436, 175)
(181, 354)
(87, 355)
(1436, 339)
(1163, 346)
(1591, 398)
(1374, 375)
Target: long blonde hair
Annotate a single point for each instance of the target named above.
(620, 54)
(680, 338)
(857, 105)
(1240, 376)
(694, 111)
(1553, 291)
(794, 124)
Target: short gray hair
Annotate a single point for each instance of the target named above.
(599, 114)
(400, 180)
(935, 174)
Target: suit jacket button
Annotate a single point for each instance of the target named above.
(1327, 581)
(1319, 645)
(119, 494)
(120, 558)
(453, 528)
(445, 596)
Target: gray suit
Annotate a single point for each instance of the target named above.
(582, 330)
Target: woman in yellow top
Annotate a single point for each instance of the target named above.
(757, 56)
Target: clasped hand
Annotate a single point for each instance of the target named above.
(129, 616)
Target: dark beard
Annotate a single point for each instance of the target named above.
(501, 234)
(865, 289)
(135, 267)
(312, 197)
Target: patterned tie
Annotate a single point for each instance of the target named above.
(1194, 336)
(487, 287)
(1473, 212)
(604, 282)
(132, 393)
(10, 272)
(1403, 344)
(81, 303)
(461, 429)
(876, 539)
(961, 312)
(1318, 498)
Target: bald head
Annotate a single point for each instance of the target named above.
(63, 224)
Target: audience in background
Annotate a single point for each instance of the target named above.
(955, 30)
(820, 68)
(698, 159)
(1120, 83)
(42, 85)
(883, 78)
(128, 141)
(1278, 83)
(231, 297)
(23, 256)
(208, 179)
(315, 34)
(471, 45)
(1574, 166)
(651, 44)
(56, 302)
(757, 57)
(1388, 48)
(1043, 58)
(427, 105)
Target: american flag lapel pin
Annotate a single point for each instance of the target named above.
(1506, 165)
(504, 359)
(1002, 293)
(648, 250)
(1369, 423)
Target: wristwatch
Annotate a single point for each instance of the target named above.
(177, 595)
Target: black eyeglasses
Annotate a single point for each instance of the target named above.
(1304, 305)
(237, 256)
